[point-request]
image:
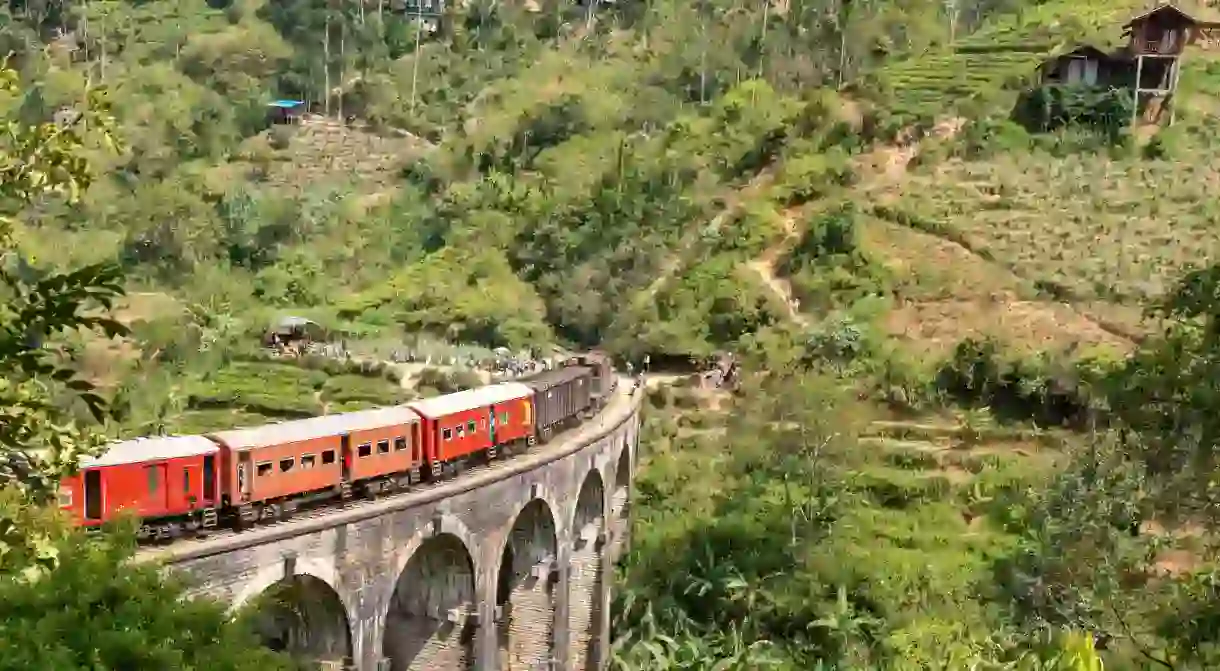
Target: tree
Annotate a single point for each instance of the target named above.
(132, 619)
(67, 600)
(40, 440)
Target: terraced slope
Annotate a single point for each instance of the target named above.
(325, 149)
(998, 59)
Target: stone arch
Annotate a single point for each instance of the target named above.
(269, 576)
(620, 498)
(429, 624)
(525, 590)
(304, 616)
(585, 582)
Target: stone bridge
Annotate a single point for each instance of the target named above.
(504, 568)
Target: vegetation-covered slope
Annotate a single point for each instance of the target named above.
(838, 192)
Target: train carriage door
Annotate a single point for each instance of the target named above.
(93, 495)
(209, 478)
(345, 447)
(244, 475)
(156, 493)
(491, 423)
(416, 444)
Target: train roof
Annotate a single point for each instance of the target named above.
(155, 448)
(550, 378)
(440, 406)
(299, 430)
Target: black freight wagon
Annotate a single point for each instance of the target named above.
(561, 396)
(604, 379)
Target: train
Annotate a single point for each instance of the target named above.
(187, 485)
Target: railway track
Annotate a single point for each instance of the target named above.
(307, 520)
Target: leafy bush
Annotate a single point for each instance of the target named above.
(1047, 108)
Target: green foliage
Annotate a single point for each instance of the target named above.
(70, 601)
(470, 297)
(828, 267)
(95, 610)
(978, 374)
(1107, 111)
(285, 391)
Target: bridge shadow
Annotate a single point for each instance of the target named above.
(428, 626)
(304, 617)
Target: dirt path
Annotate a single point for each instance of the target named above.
(766, 267)
(680, 257)
(881, 166)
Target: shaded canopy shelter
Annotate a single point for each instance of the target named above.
(290, 329)
(285, 111)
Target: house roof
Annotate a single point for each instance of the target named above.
(156, 448)
(1087, 50)
(440, 406)
(300, 430)
(1202, 17)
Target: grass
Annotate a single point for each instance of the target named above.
(1099, 228)
(245, 393)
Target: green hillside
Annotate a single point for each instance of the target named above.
(958, 442)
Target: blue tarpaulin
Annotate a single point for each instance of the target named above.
(285, 104)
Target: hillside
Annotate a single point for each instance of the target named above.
(939, 304)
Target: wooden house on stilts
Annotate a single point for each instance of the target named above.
(1148, 63)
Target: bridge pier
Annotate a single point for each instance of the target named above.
(502, 570)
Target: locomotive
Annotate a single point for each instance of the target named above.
(184, 485)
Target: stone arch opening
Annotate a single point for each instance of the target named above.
(430, 624)
(525, 591)
(620, 499)
(585, 581)
(304, 617)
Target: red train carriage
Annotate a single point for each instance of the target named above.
(169, 481)
(268, 471)
(384, 448)
(456, 426)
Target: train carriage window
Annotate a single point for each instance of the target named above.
(307, 460)
(504, 418)
(365, 449)
(328, 457)
(448, 434)
(264, 468)
(470, 426)
(461, 431)
(152, 479)
(186, 480)
(400, 444)
(383, 447)
(287, 464)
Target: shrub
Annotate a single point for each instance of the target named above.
(1048, 108)
(281, 138)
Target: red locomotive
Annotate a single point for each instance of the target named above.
(182, 484)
